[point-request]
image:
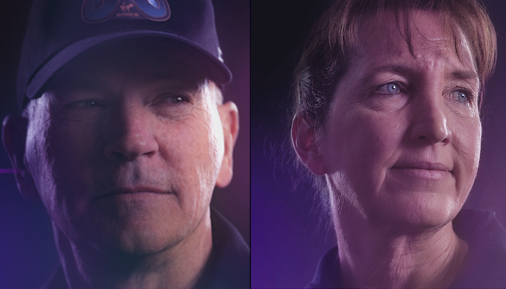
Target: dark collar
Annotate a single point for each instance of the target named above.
(229, 264)
(227, 267)
(485, 263)
(484, 267)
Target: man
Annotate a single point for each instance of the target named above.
(124, 136)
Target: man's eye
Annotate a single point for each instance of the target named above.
(86, 103)
(389, 88)
(180, 98)
(176, 99)
(461, 96)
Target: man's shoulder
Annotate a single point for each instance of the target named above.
(229, 265)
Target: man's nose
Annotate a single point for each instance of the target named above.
(130, 134)
(429, 123)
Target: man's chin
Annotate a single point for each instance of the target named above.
(139, 243)
(135, 234)
(134, 224)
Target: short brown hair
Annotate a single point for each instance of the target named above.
(332, 41)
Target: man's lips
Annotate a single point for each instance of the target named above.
(134, 190)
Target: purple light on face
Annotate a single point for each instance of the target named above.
(8, 171)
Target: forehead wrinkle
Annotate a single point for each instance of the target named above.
(433, 36)
(450, 39)
(434, 56)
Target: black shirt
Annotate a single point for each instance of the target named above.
(484, 265)
(227, 267)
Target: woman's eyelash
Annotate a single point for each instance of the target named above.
(462, 95)
(389, 88)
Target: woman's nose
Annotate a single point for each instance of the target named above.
(429, 123)
(130, 134)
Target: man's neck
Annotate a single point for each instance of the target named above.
(372, 258)
(179, 266)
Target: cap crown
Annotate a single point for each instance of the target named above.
(59, 30)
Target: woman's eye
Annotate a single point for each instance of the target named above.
(389, 88)
(461, 96)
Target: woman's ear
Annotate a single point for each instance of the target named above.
(304, 142)
(14, 139)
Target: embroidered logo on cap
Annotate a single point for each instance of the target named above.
(96, 11)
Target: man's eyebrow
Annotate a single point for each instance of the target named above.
(86, 84)
(181, 76)
(160, 75)
(97, 84)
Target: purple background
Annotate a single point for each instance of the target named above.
(287, 240)
(27, 252)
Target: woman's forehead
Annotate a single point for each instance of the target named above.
(418, 25)
(425, 37)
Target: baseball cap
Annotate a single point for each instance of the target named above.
(60, 30)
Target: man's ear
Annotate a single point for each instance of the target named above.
(304, 142)
(14, 139)
(230, 121)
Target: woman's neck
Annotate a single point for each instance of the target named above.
(374, 257)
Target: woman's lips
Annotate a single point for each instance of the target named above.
(424, 170)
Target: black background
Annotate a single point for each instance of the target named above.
(287, 240)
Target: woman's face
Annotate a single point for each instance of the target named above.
(401, 144)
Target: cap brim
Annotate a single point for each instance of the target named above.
(217, 70)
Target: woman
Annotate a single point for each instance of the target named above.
(387, 118)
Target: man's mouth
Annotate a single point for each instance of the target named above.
(145, 190)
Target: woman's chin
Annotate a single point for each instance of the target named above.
(415, 212)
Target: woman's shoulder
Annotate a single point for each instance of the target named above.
(485, 264)
(328, 272)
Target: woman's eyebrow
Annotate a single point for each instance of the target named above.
(458, 74)
(463, 75)
(394, 68)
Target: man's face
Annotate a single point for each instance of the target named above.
(126, 147)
